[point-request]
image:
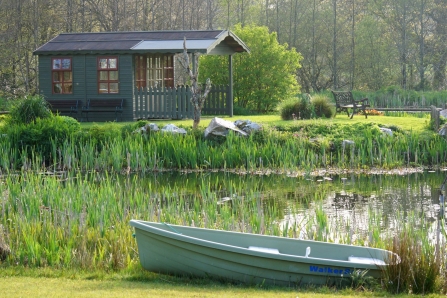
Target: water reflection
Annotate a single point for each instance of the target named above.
(343, 208)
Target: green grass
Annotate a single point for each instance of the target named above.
(87, 231)
(301, 145)
(46, 282)
(409, 122)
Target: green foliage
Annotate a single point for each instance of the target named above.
(394, 96)
(416, 270)
(263, 77)
(43, 135)
(4, 104)
(30, 108)
(322, 106)
(102, 133)
(295, 107)
(237, 110)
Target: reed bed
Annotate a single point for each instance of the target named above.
(80, 220)
(71, 208)
(268, 150)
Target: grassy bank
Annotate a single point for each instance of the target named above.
(63, 206)
(285, 146)
(138, 283)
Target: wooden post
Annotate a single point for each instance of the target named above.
(434, 117)
(230, 76)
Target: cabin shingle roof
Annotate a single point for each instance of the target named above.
(199, 40)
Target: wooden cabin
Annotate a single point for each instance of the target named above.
(139, 68)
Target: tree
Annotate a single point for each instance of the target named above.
(263, 78)
(197, 97)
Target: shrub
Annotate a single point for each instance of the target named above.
(322, 106)
(260, 82)
(43, 134)
(241, 111)
(295, 107)
(101, 133)
(27, 110)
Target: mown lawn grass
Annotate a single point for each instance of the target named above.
(46, 282)
(408, 123)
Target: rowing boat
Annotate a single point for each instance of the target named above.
(252, 258)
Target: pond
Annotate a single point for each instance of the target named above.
(82, 219)
(350, 206)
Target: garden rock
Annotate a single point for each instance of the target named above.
(247, 126)
(443, 113)
(4, 248)
(4, 251)
(386, 131)
(147, 128)
(443, 130)
(171, 128)
(347, 143)
(220, 127)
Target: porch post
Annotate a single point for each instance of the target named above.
(194, 65)
(230, 76)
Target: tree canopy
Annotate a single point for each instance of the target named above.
(263, 77)
(345, 44)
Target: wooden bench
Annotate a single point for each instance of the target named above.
(345, 101)
(103, 106)
(69, 106)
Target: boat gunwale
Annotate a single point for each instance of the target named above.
(147, 227)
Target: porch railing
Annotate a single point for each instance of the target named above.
(174, 103)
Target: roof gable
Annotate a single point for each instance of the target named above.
(206, 41)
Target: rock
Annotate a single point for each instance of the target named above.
(247, 126)
(443, 130)
(4, 248)
(171, 128)
(4, 251)
(220, 127)
(346, 143)
(147, 128)
(443, 113)
(386, 131)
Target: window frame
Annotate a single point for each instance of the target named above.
(107, 70)
(154, 70)
(64, 84)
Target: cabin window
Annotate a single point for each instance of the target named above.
(154, 71)
(61, 76)
(108, 75)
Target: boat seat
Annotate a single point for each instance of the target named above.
(264, 249)
(363, 260)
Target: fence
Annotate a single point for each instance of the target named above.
(175, 103)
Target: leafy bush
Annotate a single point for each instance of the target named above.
(295, 107)
(29, 109)
(43, 134)
(262, 78)
(238, 110)
(322, 106)
(102, 133)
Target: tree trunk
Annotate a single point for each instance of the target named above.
(197, 97)
(334, 46)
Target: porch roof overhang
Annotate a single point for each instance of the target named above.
(211, 42)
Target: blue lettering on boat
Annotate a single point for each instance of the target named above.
(329, 270)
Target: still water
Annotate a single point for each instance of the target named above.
(348, 208)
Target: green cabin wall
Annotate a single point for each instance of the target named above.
(85, 83)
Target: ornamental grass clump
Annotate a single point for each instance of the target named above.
(295, 108)
(29, 109)
(322, 106)
(415, 267)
